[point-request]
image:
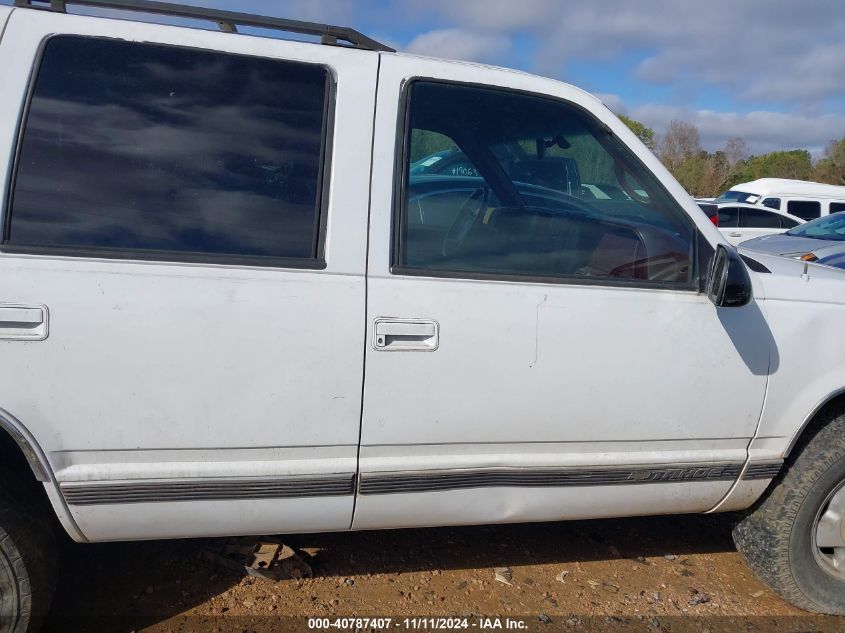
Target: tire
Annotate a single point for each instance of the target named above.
(27, 558)
(778, 537)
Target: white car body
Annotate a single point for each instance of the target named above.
(804, 199)
(739, 222)
(161, 376)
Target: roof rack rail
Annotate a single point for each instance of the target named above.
(228, 21)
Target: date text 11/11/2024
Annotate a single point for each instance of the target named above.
(418, 623)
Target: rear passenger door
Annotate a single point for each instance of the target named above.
(185, 231)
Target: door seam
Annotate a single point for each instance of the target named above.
(357, 481)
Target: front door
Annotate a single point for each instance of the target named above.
(538, 348)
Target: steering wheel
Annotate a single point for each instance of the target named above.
(463, 222)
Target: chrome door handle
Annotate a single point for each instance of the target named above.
(405, 334)
(23, 323)
(735, 234)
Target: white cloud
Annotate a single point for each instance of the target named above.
(785, 59)
(809, 75)
(764, 131)
(789, 51)
(460, 44)
(498, 15)
(612, 101)
(756, 54)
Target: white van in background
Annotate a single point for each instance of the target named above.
(801, 198)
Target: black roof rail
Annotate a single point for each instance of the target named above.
(228, 21)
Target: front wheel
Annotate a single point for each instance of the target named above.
(27, 558)
(794, 540)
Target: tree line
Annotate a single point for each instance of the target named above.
(707, 174)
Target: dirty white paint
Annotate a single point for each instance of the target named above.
(161, 371)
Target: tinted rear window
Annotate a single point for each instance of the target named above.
(149, 148)
(804, 209)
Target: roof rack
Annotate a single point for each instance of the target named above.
(228, 21)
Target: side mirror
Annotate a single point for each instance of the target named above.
(729, 285)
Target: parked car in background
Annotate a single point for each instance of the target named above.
(801, 198)
(559, 172)
(836, 261)
(711, 210)
(822, 241)
(452, 162)
(739, 222)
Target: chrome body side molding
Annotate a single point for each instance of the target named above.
(408, 482)
(157, 491)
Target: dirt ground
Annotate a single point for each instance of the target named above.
(651, 574)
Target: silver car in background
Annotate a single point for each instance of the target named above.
(821, 241)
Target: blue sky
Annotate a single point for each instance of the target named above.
(769, 71)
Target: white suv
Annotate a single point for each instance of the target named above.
(228, 307)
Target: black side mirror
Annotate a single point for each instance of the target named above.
(729, 285)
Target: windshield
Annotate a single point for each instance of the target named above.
(829, 227)
(735, 196)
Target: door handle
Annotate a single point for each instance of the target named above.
(735, 234)
(405, 334)
(18, 322)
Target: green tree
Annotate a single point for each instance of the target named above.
(679, 143)
(643, 132)
(831, 167)
(425, 143)
(795, 163)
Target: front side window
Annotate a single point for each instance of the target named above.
(772, 203)
(759, 219)
(804, 209)
(170, 152)
(550, 193)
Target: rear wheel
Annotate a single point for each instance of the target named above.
(27, 558)
(794, 540)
